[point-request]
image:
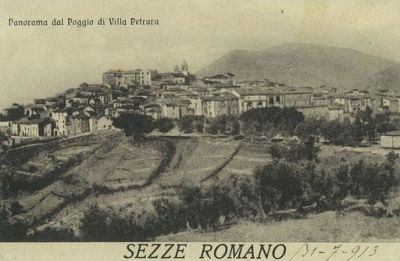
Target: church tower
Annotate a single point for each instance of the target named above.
(185, 68)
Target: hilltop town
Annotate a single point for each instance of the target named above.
(91, 107)
(68, 172)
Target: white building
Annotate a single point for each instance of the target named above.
(40, 127)
(391, 140)
(120, 78)
(61, 122)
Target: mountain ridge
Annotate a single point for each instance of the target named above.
(302, 64)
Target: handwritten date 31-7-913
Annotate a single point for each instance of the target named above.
(331, 252)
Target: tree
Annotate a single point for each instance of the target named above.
(94, 225)
(282, 185)
(290, 119)
(343, 133)
(294, 150)
(3, 137)
(310, 150)
(383, 123)
(11, 230)
(374, 181)
(189, 123)
(211, 206)
(343, 181)
(14, 113)
(368, 120)
(263, 121)
(359, 132)
(106, 225)
(16, 208)
(134, 124)
(331, 130)
(7, 183)
(310, 127)
(164, 124)
(170, 216)
(225, 124)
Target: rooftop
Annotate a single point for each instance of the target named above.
(223, 97)
(392, 133)
(40, 120)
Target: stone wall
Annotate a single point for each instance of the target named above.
(19, 155)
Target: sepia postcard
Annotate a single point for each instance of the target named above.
(200, 130)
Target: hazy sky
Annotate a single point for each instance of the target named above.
(41, 61)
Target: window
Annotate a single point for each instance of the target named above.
(259, 104)
(271, 100)
(278, 99)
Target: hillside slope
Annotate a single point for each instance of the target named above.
(388, 78)
(300, 64)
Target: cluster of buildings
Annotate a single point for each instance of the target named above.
(91, 107)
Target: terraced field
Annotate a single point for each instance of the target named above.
(109, 165)
(127, 177)
(247, 159)
(198, 159)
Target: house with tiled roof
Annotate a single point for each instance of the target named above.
(33, 127)
(226, 78)
(218, 104)
(250, 98)
(153, 109)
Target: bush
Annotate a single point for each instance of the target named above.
(164, 124)
(310, 127)
(374, 182)
(16, 208)
(11, 230)
(206, 207)
(283, 185)
(169, 216)
(99, 225)
(224, 124)
(295, 150)
(228, 199)
(94, 225)
(189, 123)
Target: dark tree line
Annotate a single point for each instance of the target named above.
(268, 121)
(284, 185)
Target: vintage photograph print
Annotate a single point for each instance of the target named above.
(200, 121)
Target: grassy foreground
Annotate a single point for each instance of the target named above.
(325, 227)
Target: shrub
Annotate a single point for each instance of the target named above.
(170, 216)
(374, 182)
(11, 230)
(295, 150)
(164, 124)
(282, 185)
(94, 225)
(225, 124)
(98, 225)
(16, 208)
(189, 123)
